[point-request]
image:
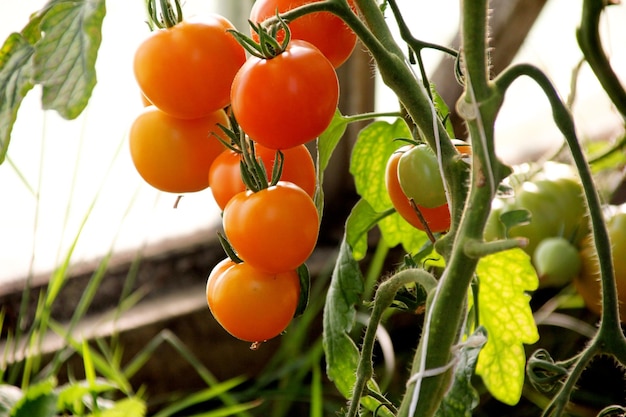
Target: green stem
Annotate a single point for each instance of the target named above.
(588, 36)
(609, 338)
(384, 297)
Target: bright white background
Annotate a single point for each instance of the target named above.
(67, 164)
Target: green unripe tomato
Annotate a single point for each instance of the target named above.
(557, 262)
(419, 177)
(556, 205)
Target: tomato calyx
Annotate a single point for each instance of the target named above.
(169, 15)
(253, 172)
(268, 46)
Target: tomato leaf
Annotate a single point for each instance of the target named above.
(62, 61)
(16, 70)
(462, 398)
(341, 353)
(504, 311)
(397, 231)
(361, 220)
(370, 153)
(326, 144)
(65, 57)
(329, 139)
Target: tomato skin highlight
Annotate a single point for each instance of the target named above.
(438, 218)
(225, 172)
(323, 29)
(174, 155)
(273, 230)
(187, 70)
(287, 100)
(252, 305)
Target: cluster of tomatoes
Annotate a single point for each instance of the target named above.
(233, 113)
(416, 188)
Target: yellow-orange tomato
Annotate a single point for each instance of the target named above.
(175, 155)
(275, 229)
(252, 305)
(187, 70)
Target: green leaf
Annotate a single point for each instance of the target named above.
(39, 400)
(342, 354)
(505, 279)
(65, 57)
(16, 71)
(368, 162)
(343, 295)
(396, 231)
(329, 139)
(442, 110)
(462, 398)
(127, 407)
(326, 144)
(361, 220)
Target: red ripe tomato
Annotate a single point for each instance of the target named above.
(323, 29)
(187, 70)
(252, 305)
(438, 218)
(225, 172)
(174, 155)
(275, 229)
(287, 100)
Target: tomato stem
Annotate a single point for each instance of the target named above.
(169, 15)
(268, 46)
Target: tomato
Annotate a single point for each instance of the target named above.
(438, 218)
(557, 208)
(174, 155)
(323, 29)
(252, 305)
(274, 229)
(225, 172)
(587, 282)
(187, 70)
(420, 178)
(557, 262)
(287, 100)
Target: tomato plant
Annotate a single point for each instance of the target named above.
(225, 172)
(323, 29)
(187, 70)
(287, 100)
(471, 279)
(274, 229)
(252, 305)
(174, 155)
